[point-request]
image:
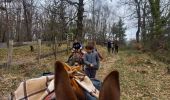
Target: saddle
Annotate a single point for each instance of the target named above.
(42, 88)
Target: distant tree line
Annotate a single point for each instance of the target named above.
(152, 22)
(27, 20)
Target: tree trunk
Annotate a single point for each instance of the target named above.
(80, 12)
(28, 21)
(143, 27)
(18, 25)
(139, 19)
(156, 17)
(62, 20)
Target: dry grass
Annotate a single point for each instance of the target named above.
(24, 55)
(141, 77)
(24, 67)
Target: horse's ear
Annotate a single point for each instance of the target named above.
(63, 89)
(110, 89)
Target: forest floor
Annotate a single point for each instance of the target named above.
(141, 76)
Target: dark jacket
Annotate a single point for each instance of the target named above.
(109, 44)
(76, 45)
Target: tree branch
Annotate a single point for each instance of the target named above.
(71, 2)
(2, 8)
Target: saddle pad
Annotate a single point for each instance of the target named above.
(39, 88)
(88, 86)
(35, 89)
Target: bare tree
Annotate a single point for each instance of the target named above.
(138, 10)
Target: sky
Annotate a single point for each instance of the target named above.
(122, 12)
(119, 12)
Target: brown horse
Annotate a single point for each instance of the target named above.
(67, 89)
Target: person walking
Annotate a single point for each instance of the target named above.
(109, 46)
(95, 49)
(116, 47)
(91, 61)
(113, 47)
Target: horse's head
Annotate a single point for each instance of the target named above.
(65, 87)
(110, 89)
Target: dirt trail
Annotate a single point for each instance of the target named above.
(106, 66)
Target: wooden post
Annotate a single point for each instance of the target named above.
(39, 50)
(10, 51)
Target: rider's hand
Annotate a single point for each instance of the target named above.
(91, 65)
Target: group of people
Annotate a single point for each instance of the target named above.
(112, 45)
(91, 59)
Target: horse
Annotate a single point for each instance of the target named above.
(67, 83)
(64, 90)
(77, 58)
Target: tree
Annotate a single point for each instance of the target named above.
(28, 14)
(80, 19)
(152, 17)
(138, 10)
(121, 31)
(114, 31)
(80, 11)
(118, 31)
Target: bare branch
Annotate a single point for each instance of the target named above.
(72, 3)
(2, 8)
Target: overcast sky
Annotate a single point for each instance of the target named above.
(122, 12)
(119, 12)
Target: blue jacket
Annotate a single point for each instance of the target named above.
(91, 58)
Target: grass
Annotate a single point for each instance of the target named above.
(3, 55)
(24, 66)
(141, 76)
(24, 55)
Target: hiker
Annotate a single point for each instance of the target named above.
(75, 48)
(76, 45)
(116, 47)
(113, 47)
(109, 46)
(91, 61)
